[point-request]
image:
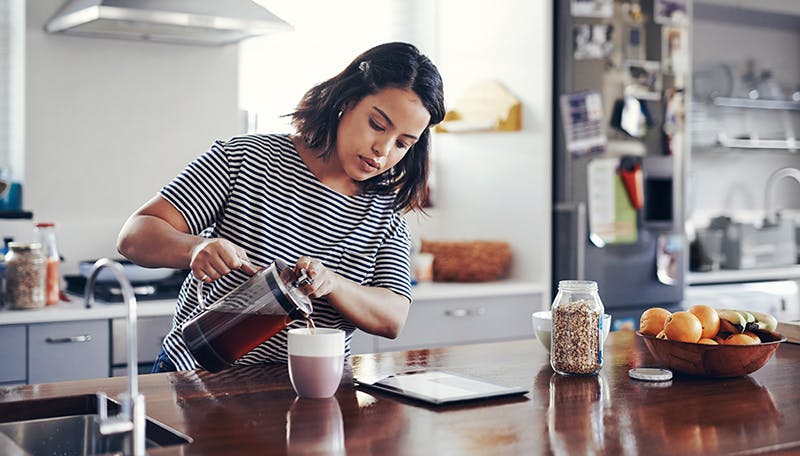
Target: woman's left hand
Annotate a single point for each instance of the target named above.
(323, 280)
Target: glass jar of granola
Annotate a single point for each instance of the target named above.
(25, 276)
(576, 341)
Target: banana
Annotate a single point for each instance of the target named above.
(748, 316)
(765, 320)
(736, 320)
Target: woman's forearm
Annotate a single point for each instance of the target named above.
(375, 310)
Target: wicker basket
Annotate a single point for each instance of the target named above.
(468, 261)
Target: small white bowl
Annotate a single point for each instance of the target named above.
(543, 327)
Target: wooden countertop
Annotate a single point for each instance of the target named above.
(253, 410)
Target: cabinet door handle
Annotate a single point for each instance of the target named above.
(461, 313)
(69, 340)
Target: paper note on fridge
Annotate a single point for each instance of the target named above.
(612, 218)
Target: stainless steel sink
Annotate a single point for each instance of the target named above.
(68, 426)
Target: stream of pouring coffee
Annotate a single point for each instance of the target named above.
(301, 281)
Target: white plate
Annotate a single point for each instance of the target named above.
(133, 272)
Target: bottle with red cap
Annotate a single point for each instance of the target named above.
(45, 233)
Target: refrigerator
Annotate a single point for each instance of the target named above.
(619, 151)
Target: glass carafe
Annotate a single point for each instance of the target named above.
(246, 317)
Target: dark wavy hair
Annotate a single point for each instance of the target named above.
(389, 65)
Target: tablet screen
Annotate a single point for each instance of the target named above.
(440, 386)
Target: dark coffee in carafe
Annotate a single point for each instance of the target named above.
(246, 317)
(221, 337)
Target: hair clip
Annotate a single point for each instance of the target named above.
(364, 66)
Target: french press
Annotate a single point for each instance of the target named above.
(245, 317)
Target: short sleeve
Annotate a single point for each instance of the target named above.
(392, 263)
(201, 190)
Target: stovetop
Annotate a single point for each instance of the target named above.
(110, 292)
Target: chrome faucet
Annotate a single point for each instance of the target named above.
(131, 417)
(769, 196)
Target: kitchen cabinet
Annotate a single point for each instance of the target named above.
(437, 320)
(83, 342)
(68, 351)
(12, 354)
(150, 332)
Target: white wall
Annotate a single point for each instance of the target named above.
(496, 185)
(110, 121)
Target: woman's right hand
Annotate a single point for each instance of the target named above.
(214, 258)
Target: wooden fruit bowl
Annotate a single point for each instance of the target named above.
(713, 360)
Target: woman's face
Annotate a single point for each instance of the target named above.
(376, 133)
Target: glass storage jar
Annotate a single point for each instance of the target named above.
(45, 234)
(25, 276)
(577, 337)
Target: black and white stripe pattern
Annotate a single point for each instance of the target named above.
(257, 192)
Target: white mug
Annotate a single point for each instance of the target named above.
(316, 361)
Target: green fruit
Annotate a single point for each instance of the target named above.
(735, 318)
(747, 315)
(765, 320)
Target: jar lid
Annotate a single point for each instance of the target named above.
(650, 374)
(24, 247)
(577, 285)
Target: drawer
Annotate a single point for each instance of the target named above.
(150, 332)
(12, 353)
(444, 322)
(73, 350)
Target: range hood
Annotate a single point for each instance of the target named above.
(200, 22)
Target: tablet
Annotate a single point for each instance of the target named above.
(439, 387)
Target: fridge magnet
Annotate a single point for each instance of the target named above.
(592, 8)
(643, 79)
(674, 121)
(672, 12)
(675, 53)
(612, 218)
(631, 116)
(582, 117)
(634, 42)
(592, 41)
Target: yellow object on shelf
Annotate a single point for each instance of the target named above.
(487, 106)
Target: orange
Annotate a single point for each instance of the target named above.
(753, 335)
(708, 318)
(652, 320)
(683, 326)
(740, 339)
(707, 341)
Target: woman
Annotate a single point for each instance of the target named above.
(329, 199)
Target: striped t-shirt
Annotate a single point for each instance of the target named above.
(257, 192)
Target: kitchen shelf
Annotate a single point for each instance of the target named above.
(753, 140)
(744, 275)
(26, 215)
(777, 144)
(748, 103)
